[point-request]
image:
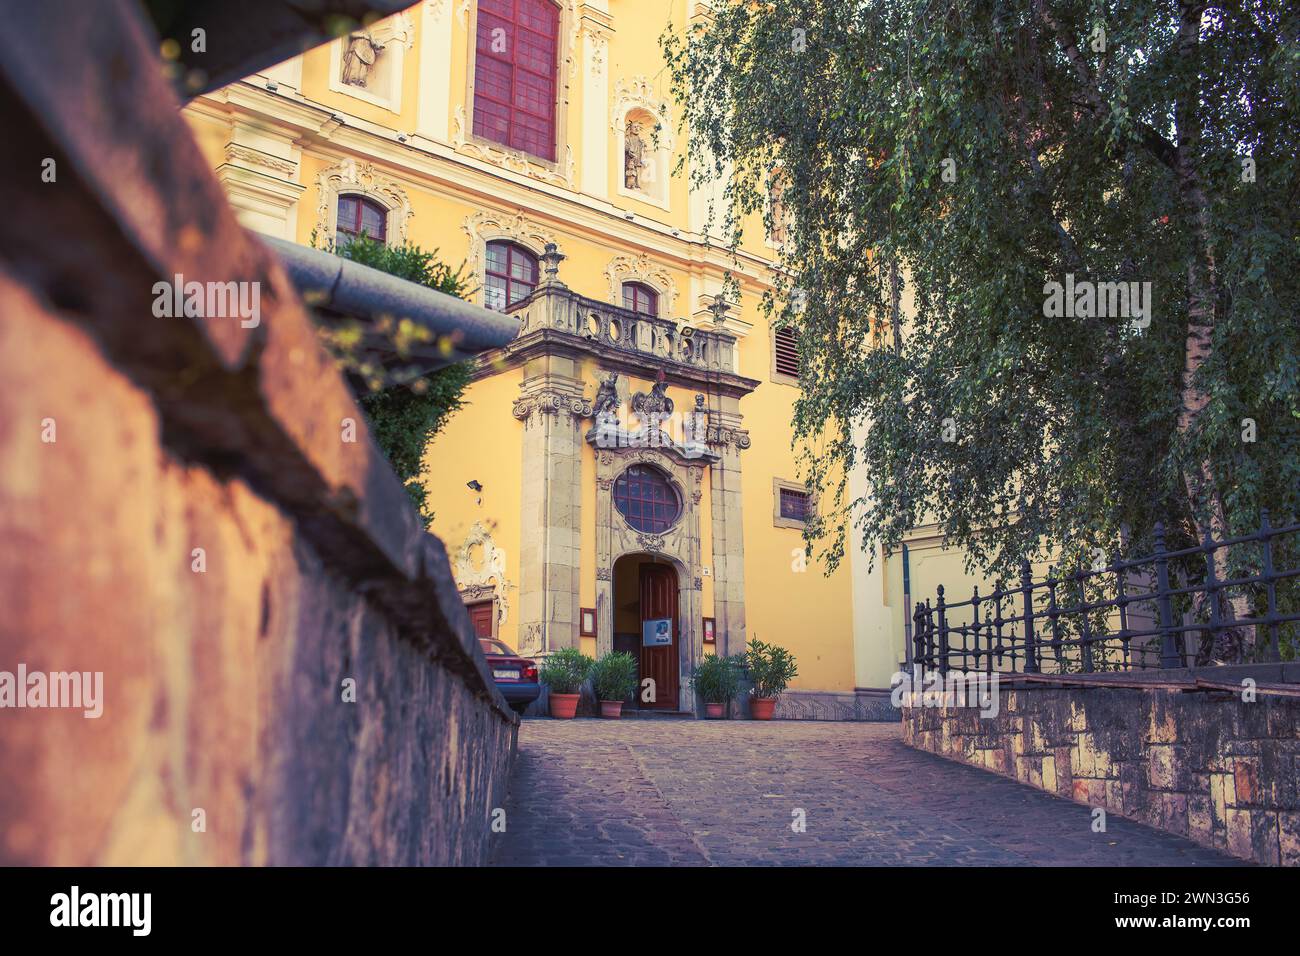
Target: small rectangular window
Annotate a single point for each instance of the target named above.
(794, 504)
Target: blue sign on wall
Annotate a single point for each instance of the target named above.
(657, 633)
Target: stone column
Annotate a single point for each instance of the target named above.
(728, 526)
(550, 558)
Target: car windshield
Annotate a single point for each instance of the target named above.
(495, 648)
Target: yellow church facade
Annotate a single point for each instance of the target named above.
(628, 456)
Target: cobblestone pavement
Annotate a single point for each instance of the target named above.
(699, 793)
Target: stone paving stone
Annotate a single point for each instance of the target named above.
(723, 793)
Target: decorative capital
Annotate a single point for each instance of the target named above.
(551, 401)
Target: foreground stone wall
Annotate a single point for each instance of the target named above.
(191, 506)
(222, 687)
(1206, 766)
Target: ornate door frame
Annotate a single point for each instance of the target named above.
(679, 545)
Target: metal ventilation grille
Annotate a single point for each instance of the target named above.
(787, 352)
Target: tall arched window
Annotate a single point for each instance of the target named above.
(510, 275)
(647, 499)
(516, 70)
(639, 297)
(359, 216)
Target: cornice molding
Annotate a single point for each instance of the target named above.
(549, 341)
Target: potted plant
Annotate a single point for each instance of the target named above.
(613, 677)
(771, 668)
(563, 672)
(716, 679)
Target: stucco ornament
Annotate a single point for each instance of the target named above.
(365, 179)
(641, 268)
(477, 578)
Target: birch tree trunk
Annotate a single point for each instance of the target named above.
(1204, 496)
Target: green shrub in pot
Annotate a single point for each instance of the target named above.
(563, 671)
(771, 668)
(614, 676)
(716, 679)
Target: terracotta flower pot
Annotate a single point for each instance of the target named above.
(564, 706)
(760, 708)
(612, 709)
(712, 711)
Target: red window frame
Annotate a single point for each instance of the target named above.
(515, 275)
(647, 499)
(640, 298)
(515, 89)
(785, 342)
(351, 218)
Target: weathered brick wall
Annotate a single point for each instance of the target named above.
(1210, 767)
(223, 687)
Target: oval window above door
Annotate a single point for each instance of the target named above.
(647, 499)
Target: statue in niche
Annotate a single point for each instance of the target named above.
(359, 57)
(780, 213)
(633, 155)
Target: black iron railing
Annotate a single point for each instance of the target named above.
(1229, 601)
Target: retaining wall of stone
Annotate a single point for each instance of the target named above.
(1208, 766)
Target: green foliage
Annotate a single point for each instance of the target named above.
(406, 409)
(614, 676)
(407, 261)
(717, 679)
(771, 668)
(563, 671)
(1069, 434)
(404, 421)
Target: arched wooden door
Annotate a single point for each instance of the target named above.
(658, 601)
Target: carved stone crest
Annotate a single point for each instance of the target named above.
(654, 403)
(651, 542)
